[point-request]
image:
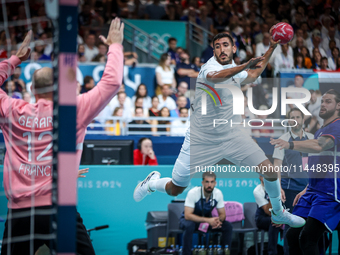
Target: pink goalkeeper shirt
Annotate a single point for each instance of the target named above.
(27, 130)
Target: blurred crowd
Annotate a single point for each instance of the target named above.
(315, 45)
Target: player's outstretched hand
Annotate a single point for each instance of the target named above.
(272, 42)
(254, 63)
(83, 171)
(279, 143)
(116, 33)
(24, 51)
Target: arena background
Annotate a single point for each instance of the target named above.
(105, 195)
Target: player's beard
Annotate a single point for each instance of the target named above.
(208, 190)
(226, 62)
(297, 128)
(326, 114)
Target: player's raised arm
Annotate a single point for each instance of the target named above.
(7, 66)
(254, 73)
(91, 103)
(225, 74)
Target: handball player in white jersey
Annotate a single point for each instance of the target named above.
(205, 145)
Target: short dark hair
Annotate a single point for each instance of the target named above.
(324, 58)
(297, 110)
(172, 39)
(138, 107)
(119, 93)
(182, 108)
(208, 174)
(335, 93)
(87, 79)
(299, 75)
(222, 35)
(337, 96)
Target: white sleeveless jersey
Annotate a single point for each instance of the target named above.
(202, 126)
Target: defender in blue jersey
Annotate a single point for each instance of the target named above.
(319, 203)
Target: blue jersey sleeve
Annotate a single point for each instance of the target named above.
(333, 131)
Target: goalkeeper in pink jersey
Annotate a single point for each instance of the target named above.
(27, 130)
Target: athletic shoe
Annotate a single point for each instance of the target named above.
(142, 189)
(285, 217)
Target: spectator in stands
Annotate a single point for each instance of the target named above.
(125, 102)
(20, 85)
(207, 53)
(331, 46)
(139, 113)
(196, 61)
(115, 125)
(316, 60)
(326, 40)
(88, 84)
(155, 10)
(179, 127)
(185, 69)
(81, 53)
(315, 121)
(172, 46)
(26, 97)
(139, 103)
(39, 47)
(130, 58)
(261, 49)
(90, 48)
(182, 90)
(101, 56)
(142, 92)
(208, 197)
(192, 17)
(299, 62)
(332, 60)
(220, 20)
(153, 111)
(206, 22)
(298, 34)
(299, 45)
(165, 74)
(90, 17)
(165, 100)
(9, 87)
(165, 113)
(121, 101)
(324, 64)
(181, 103)
(48, 43)
(305, 32)
(171, 13)
(263, 217)
(298, 21)
(308, 61)
(283, 60)
(144, 154)
(316, 43)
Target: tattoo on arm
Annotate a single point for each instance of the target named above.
(325, 142)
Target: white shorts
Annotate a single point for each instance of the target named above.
(240, 150)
